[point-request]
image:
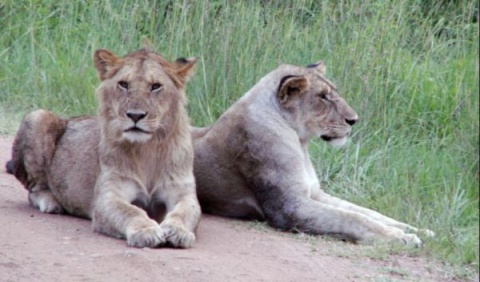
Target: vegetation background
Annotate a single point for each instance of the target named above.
(409, 68)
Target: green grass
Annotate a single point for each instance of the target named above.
(409, 68)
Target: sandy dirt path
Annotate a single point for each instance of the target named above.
(44, 247)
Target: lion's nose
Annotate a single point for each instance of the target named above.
(136, 116)
(351, 121)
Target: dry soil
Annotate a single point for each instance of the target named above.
(45, 247)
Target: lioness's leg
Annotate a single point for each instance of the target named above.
(314, 217)
(183, 213)
(337, 202)
(32, 152)
(114, 215)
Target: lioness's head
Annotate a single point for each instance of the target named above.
(139, 94)
(312, 106)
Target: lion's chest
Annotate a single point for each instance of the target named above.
(145, 169)
(151, 175)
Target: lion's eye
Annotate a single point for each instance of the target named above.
(156, 86)
(123, 85)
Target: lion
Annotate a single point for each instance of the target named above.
(129, 168)
(253, 162)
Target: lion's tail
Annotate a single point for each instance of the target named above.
(9, 167)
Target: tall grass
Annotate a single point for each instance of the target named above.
(409, 68)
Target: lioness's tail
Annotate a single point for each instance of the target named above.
(9, 167)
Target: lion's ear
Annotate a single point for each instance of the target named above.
(185, 68)
(103, 61)
(291, 86)
(318, 66)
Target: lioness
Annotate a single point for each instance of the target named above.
(253, 162)
(129, 169)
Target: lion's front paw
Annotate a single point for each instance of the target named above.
(177, 236)
(412, 240)
(146, 236)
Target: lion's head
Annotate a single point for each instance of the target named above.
(139, 94)
(312, 106)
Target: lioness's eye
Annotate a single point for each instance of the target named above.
(156, 86)
(322, 95)
(123, 85)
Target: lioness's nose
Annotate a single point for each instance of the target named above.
(351, 121)
(136, 116)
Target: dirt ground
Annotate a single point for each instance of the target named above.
(44, 247)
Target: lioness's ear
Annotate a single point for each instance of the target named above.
(147, 45)
(103, 61)
(318, 66)
(185, 68)
(290, 86)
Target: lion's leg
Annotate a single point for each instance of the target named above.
(114, 215)
(182, 215)
(32, 152)
(337, 202)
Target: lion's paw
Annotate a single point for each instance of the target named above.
(146, 236)
(45, 202)
(177, 236)
(412, 240)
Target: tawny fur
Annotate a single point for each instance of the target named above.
(254, 162)
(129, 169)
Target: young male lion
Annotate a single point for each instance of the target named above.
(253, 163)
(129, 168)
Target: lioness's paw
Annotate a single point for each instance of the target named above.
(147, 236)
(177, 236)
(427, 232)
(412, 240)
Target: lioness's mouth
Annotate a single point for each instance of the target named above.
(326, 138)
